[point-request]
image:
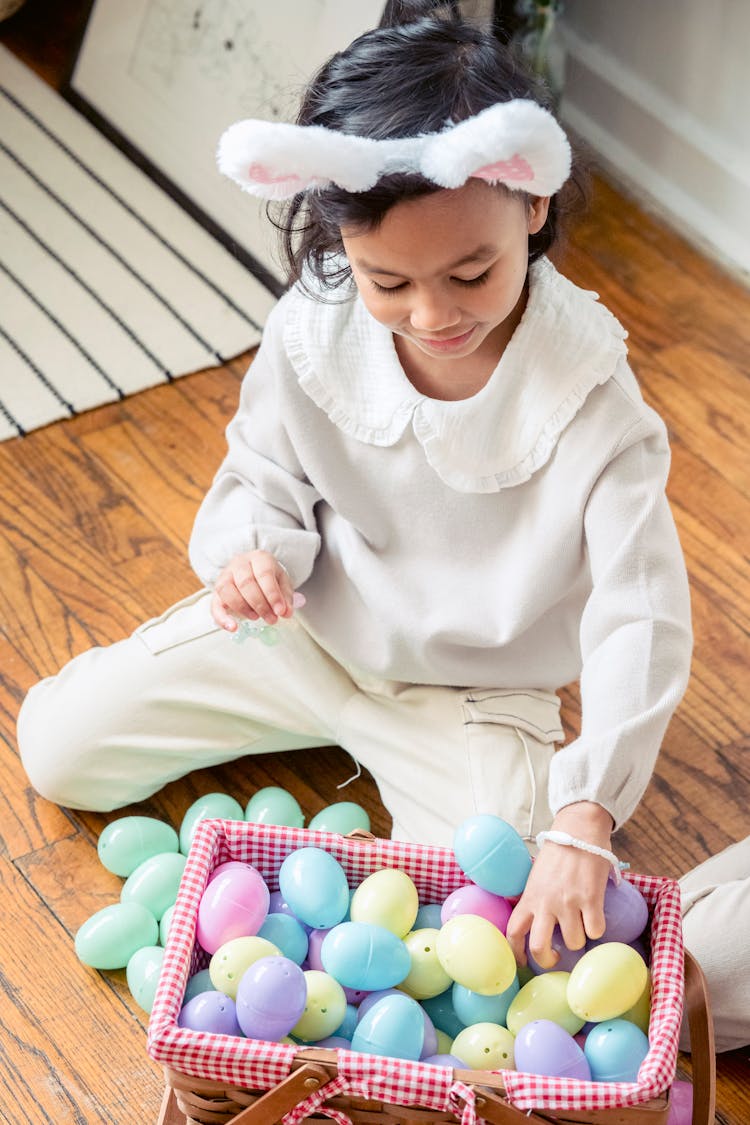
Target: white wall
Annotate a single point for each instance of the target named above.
(661, 90)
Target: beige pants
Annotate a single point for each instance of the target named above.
(716, 927)
(118, 723)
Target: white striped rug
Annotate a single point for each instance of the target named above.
(106, 285)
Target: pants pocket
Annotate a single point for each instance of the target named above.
(185, 621)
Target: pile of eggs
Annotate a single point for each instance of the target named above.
(371, 968)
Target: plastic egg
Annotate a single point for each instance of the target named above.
(640, 1013)
(109, 938)
(444, 1042)
(475, 900)
(346, 1028)
(567, 958)
(426, 977)
(680, 1103)
(342, 817)
(155, 882)
(441, 1011)
(543, 1047)
(325, 1007)
(335, 1043)
(164, 924)
(386, 898)
(315, 940)
(126, 843)
(212, 806)
(279, 905)
(142, 974)
(234, 904)
(365, 956)
(485, 1046)
(491, 853)
(625, 912)
(234, 958)
(607, 981)
(615, 1050)
(271, 998)
(470, 1007)
(314, 885)
(197, 983)
(444, 1060)
(544, 998)
(287, 934)
(430, 1042)
(273, 805)
(392, 1027)
(474, 952)
(429, 917)
(210, 1011)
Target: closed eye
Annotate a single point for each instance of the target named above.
(469, 281)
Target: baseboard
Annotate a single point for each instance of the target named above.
(693, 178)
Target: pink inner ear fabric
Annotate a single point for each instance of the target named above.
(517, 168)
(260, 174)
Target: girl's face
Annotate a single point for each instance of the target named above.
(446, 272)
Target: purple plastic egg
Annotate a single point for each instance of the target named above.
(278, 905)
(271, 998)
(444, 1060)
(543, 1047)
(233, 905)
(337, 1042)
(472, 899)
(210, 1011)
(625, 912)
(567, 959)
(314, 941)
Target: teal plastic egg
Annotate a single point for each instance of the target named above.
(492, 854)
(155, 882)
(126, 843)
(386, 898)
(325, 1007)
(470, 1007)
(342, 817)
(615, 1050)
(142, 974)
(364, 956)
(273, 805)
(314, 886)
(443, 1014)
(234, 958)
(426, 976)
(544, 998)
(288, 934)
(485, 1046)
(109, 938)
(197, 983)
(474, 952)
(607, 981)
(394, 1027)
(212, 806)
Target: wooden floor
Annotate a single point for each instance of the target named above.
(96, 512)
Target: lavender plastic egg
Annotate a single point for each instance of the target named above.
(625, 912)
(314, 885)
(210, 1011)
(233, 905)
(444, 1060)
(393, 1027)
(680, 1103)
(472, 899)
(543, 1047)
(271, 998)
(615, 1050)
(567, 957)
(491, 853)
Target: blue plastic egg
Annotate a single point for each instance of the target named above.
(197, 983)
(314, 885)
(429, 917)
(441, 1011)
(365, 956)
(393, 1027)
(287, 934)
(346, 1028)
(471, 1007)
(491, 852)
(615, 1050)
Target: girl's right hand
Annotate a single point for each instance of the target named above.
(252, 585)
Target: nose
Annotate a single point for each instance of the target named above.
(433, 311)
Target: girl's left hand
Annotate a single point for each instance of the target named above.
(565, 888)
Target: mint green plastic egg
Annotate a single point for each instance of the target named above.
(234, 958)
(273, 805)
(164, 924)
(426, 977)
(343, 817)
(154, 884)
(109, 938)
(325, 1007)
(386, 898)
(126, 843)
(212, 806)
(142, 974)
(544, 998)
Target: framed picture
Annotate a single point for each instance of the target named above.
(164, 78)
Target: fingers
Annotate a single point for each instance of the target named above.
(253, 585)
(519, 925)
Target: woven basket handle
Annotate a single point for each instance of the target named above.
(702, 1048)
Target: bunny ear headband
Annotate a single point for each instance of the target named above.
(516, 143)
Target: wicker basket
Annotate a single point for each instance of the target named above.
(215, 1080)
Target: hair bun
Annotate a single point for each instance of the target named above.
(398, 13)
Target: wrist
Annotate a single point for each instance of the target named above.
(586, 819)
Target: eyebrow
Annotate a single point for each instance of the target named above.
(481, 253)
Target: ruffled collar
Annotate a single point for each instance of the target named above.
(565, 345)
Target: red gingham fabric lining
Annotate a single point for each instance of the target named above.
(254, 1064)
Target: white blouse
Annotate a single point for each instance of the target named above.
(520, 538)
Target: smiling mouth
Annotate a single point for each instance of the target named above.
(446, 341)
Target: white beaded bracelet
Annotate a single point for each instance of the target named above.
(569, 841)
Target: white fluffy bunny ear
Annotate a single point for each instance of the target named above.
(275, 160)
(516, 143)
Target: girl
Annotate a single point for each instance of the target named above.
(442, 445)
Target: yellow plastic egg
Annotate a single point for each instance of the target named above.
(386, 898)
(325, 1007)
(426, 977)
(444, 1042)
(233, 958)
(640, 1013)
(543, 998)
(474, 952)
(485, 1046)
(607, 981)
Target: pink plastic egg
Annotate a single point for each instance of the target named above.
(472, 899)
(233, 905)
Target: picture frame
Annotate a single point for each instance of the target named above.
(164, 78)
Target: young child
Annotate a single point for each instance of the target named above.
(441, 444)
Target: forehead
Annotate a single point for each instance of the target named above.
(439, 228)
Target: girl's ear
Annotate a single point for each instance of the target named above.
(538, 211)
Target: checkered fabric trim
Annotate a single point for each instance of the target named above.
(257, 1065)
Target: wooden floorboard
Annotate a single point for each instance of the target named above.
(95, 514)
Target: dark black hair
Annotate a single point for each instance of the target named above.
(399, 80)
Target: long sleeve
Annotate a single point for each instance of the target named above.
(635, 632)
(260, 498)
